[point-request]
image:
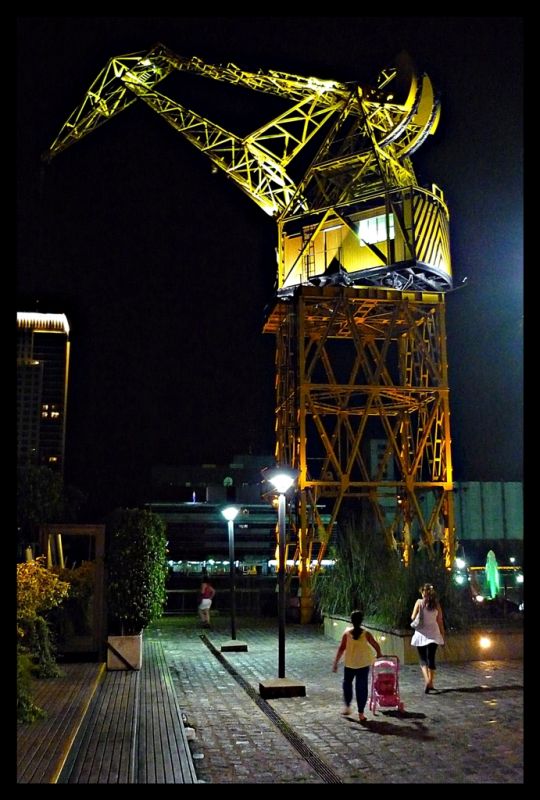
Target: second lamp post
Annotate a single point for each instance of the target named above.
(230, 513)
(281, 480)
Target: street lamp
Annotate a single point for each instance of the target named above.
(281, 480)
(230, 513)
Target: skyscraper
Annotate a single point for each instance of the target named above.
(42, 382)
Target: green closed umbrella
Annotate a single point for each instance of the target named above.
(492, 574)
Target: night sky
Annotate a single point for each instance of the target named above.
(164, 268)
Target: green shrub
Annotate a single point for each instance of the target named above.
(27, 710)
(371, 576)
(38, 591)
(136, 570)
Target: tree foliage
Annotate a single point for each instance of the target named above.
(38, 591)
(40, 496)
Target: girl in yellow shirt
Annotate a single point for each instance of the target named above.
(358, 646)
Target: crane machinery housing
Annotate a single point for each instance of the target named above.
(362, 398)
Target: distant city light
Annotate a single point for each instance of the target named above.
(512, 559)
(460, 563)
(519, 578)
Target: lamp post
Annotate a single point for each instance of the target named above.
(282, 482)
(230, 513)
(282, 479)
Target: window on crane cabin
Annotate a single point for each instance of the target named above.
(373, 230)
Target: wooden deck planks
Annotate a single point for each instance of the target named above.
(43, 746)
(133, 732)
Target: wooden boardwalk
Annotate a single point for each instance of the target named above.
(133, 732)
(125, 728)
(43, 746)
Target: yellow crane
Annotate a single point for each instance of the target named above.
(362, 408)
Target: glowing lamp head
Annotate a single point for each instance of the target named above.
(460, 563)
(281, 478)
(230, 513)
(485, 642)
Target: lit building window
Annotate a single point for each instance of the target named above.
(53, 459)
(373, 230)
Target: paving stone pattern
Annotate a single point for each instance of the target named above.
(470, 732)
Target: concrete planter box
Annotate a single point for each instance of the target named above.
(124, 652)
(505, 643)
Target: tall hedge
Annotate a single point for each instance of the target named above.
(136, 570)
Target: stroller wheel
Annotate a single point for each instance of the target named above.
(401, 707)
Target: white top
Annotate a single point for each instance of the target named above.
(429, 632)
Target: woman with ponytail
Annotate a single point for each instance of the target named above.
(357, 645)
(429, 634)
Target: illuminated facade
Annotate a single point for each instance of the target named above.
(42, 382)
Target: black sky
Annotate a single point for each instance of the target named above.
(164, 268)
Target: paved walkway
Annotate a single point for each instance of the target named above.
(470, 732)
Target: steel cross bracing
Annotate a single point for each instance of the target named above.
(353, 365)
(356, 366)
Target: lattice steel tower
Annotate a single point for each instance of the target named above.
(363, 266)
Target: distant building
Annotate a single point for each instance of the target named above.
(197, 533)
(240, 481)
(489, 515)
(189, 499)
(42, 383)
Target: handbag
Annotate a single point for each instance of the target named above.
(418, 621)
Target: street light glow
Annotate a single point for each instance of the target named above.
(230, 513)
(282, 479)
(281, 482)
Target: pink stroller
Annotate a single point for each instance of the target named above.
(385, 684)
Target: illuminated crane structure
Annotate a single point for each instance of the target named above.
(363, 265)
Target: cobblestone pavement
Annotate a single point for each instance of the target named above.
(470, 732)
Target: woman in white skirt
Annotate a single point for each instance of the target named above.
(429, 634)
(205, 602)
